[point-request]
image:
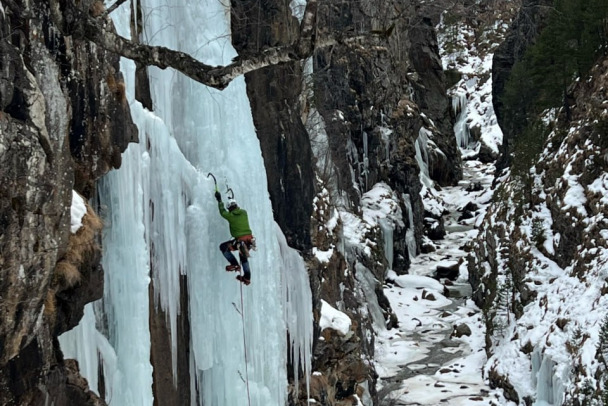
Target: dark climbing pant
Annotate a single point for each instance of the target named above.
(233, 245)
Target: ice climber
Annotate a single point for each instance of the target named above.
(242, 238)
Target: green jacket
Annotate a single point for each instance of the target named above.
(238, 220)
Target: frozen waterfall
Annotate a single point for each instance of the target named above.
(162, 224)
(461, 127)
(423, 156)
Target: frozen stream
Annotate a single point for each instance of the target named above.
(421, 362)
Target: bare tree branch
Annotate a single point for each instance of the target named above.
(306, 40)
(112, 8)
(74, 21)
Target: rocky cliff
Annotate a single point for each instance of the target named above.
(543, 247)
(370, 96)
(275, 93)
(523, 32)
(63, 123)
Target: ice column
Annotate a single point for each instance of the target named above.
(297, 300)
(368, 282)
(238, 337)
(410, 237)
(385, 134)
(422, 156)
(365, 158)
(387, 228)
(461, 129)
(86, 344)
(549, 386)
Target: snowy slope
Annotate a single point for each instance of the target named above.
(552, 261)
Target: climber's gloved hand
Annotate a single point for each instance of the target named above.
(218, 196)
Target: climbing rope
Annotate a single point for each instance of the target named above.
(242, 312)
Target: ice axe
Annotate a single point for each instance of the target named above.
(229, 191)
(214, 181)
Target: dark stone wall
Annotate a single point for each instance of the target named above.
(382, 75)
(63, 124)
(274, 93)
(390, 77)
(430, 95)
(523, 33)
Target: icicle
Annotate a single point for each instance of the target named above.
(387, 229)
(422, 156)
(410, 238)
(365, 171)
(461, 128)
(297, 301)
(459, 102)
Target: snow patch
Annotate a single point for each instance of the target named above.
(323, 256)
(334, 319)
(78, 210)
(418, 282)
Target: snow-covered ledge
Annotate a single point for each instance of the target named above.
(334, 319)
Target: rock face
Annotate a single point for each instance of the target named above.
(509, 262)
(374, 96)
(370, 95)
(275, 93)
(524, 31)
(63, 123)
(430, 95)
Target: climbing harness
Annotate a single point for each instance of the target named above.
(244, 247)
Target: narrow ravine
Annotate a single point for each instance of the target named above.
(436, 354)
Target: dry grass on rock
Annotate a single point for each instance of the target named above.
(67, 273)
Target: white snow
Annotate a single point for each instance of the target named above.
(334, 319)
(323, 256)
(380, 202)
(420, 361)
(418, 282)
(77, 211)
(575, 196)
